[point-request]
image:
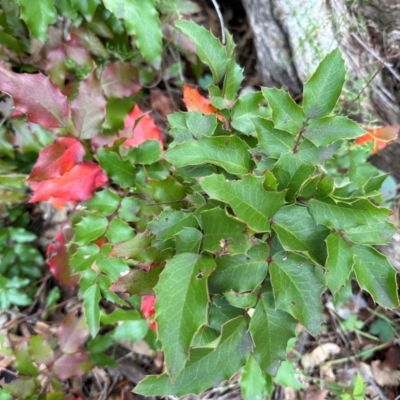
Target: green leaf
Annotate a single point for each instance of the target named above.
(91, 308)
(380, 233)
(291, 174)
(131, 330)
(325, 131)
(208, 47)
(84, 257)
(286, 114)
(339, 263)
(85, 7)
(241, 300)
(181, 311)
(228, 152)
(171, 222)
(345, 216)
(129, 209)
(148, 152)
(168, 190)
(139, 248)
(233, 80)
(253, 381)
(286, 376)
(272, 142)
(297, 231)
(23, 363)
(270, 330)
(240, 273)
(245, 109)
(297, 289)
(375, 275)
(249, 200)
(105, 202)
(21, 235)
(113, 267)
(322, 90)
(38, 15)
(119, 231)
(207, 367)
(137, 281)
(219, 230)
(200, 125)
(90, 228)
(141, 20)
(188, 240)
(121, 172)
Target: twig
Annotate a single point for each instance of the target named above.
(372, 52)
(221, 21)
(363, 353)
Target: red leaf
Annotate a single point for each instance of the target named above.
(120, 79)
(147, 309)
(57, 159)
(72, 365)
(145, 128)
(379, 136)
(36, 96)
(78, 184)
(88, 108)
(194, 101)
(72, 333)
(58, 261)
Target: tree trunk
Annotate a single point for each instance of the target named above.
(292, 36)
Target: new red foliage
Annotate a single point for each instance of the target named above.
(78, 184)
(56, 159)
(139, 127)
(147, 309)
(60, 175)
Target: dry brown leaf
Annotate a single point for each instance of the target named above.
(383, 377)
(315, 394)
(327, 372)
(319, 355)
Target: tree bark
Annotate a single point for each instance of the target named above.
(292, 36)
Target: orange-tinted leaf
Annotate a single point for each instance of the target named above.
(72, 365)
(36, 96)
(58, 261)
(145, 128)
(57, 159)
(194, 101)
(78, 184)
(379, 136)
(72, 333)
